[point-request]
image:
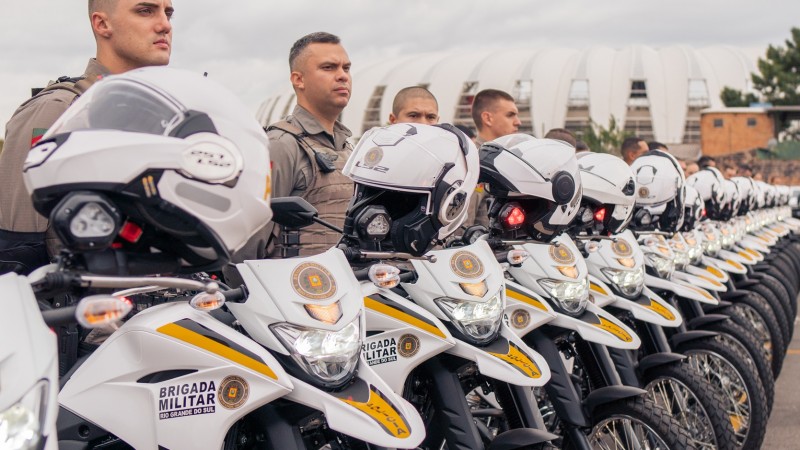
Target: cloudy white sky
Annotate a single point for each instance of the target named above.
(244, 43)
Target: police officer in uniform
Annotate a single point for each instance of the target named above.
(129, 34)
(309, 148)
(495, 115)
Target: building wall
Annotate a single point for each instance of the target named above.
(723, 133)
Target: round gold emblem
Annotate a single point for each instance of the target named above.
(466, 265)
(408, 345)
(233, 392)
(373, 157)
(622, 248)
(562, 254)
(644, 192)
(520, 319)
(313, 281)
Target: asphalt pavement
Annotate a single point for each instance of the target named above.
(783, 429)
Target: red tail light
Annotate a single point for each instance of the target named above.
(600, 214)
(703, 213)
(512, 216)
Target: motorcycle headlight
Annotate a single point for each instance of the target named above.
(695, 254)
(664, 266)
(328, 356)
(21, 425)
(477, 320)
(629, 282)
(681, 259)
(727, 241)
(572, 296)
(711, 248)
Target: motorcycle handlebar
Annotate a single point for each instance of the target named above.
(60, 316)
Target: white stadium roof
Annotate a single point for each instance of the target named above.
(656, 93)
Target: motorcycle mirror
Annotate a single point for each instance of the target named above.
(292, 212)
(101, 310)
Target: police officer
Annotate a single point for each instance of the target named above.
(495, 115)
(129, 34)
(309, 148)
(414, 104)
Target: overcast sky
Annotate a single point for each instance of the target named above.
(244, 44)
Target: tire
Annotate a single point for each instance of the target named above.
(789, 303)
(692, 401)
(792, 269)
(736, 336)
(783, 273)
(727, 368)
(779, 285)
(777, 312)
(640, 412)
(785, 314)
(752, 312)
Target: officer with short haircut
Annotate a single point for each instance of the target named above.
(129, 34)
(309, 148)
(495, 115)
(414, 104)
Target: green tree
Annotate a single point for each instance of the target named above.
(735, 98)
(778, 80)
(605, 139)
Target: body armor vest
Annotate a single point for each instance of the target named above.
(328, 190)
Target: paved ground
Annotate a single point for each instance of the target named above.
(783, 430)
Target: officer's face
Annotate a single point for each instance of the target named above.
(502, 119)
(323, 76)
(417, 110)
(141, 32)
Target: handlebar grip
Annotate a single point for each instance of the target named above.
(60, 316)
(238, 295)
(407, 276)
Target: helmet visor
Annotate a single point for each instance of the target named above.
(121, 105)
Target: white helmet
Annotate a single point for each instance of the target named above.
(694, 209)
(163, 168)
(746, 194)
(608, 192)
(536, 185)
(412, 185)
(660, 192)
(733, 199)
(708, 183)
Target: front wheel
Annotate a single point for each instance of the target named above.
(727, 368)
(694, 402)
(634, 423)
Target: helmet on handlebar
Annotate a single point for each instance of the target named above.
(608, 193)
(412, 186)
(155, 170)
(660, 192)
(535, 183)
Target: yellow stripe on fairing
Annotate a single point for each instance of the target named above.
(382, 412)
(614, 329)
(198, 340)
(400, 315)
(520, 360)
(525, 299)
(597, 288)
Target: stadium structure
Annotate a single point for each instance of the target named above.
(656, 93)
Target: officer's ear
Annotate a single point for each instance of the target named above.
(392, 118)
(297, 80)
(486, 118)
(100, 24)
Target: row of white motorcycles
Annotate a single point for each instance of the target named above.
(604, 306)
